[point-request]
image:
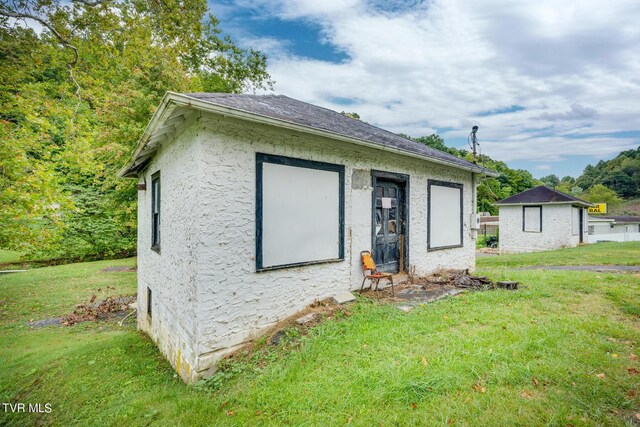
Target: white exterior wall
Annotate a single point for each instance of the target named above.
(236, 303)
(556, 229)
(215, 298)
(623, 232)
(171, 274)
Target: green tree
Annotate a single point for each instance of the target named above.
(74, 99)
(568, 180)
(602, 194)
(621, 174)
(354, 116)
(550, 180)
(436, 141)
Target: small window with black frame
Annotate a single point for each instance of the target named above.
(155, 212)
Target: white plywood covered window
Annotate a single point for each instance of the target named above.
(532, 219)
(299, 212)
(575, 220)
(444, 212)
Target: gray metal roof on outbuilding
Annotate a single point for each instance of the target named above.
(541, 194)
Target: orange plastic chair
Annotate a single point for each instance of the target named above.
(374, 275)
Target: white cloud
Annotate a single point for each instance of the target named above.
(413, 68)
(577, 112)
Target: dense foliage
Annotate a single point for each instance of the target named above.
(621, 174)
(611, 181)
(75, 96)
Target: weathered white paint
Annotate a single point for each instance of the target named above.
(607, 230)
(208, 298)
(614, 237)
(557, 220)
(172, 274)
(300, 215)
(445, 216)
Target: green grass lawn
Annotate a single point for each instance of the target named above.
(9, 256)
(556, 352)
(605, 253)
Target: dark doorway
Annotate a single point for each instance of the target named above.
(581, 210)
(390, 224)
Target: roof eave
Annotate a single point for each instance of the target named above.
(128, 171)
(181, 100)
(568, 202)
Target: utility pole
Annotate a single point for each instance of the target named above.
(474, 142)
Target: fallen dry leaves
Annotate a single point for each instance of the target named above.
(633, 371)
(534, 380)
(633, 357)
(601, 376)
(424, 361)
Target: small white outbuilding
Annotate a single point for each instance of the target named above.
(541, 219)
(606, 228)
(252, 207)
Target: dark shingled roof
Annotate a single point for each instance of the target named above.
(626, 218)
(291, 110)
(541, 194)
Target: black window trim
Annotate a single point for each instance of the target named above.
(155, 229)
(523, 218)
(149, 302)
(430, 183)
(262, 158)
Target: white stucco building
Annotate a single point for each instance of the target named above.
(605, 228)
(252, 207)
(540, 219)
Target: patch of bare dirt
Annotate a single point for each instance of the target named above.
(441, 280)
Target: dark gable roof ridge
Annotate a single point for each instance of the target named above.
(281, 107)
(619, 218)
(541, 194)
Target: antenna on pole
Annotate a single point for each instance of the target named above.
(474, 142)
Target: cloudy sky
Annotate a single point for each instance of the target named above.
(553, 85)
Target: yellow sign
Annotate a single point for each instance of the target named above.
(599, 208)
